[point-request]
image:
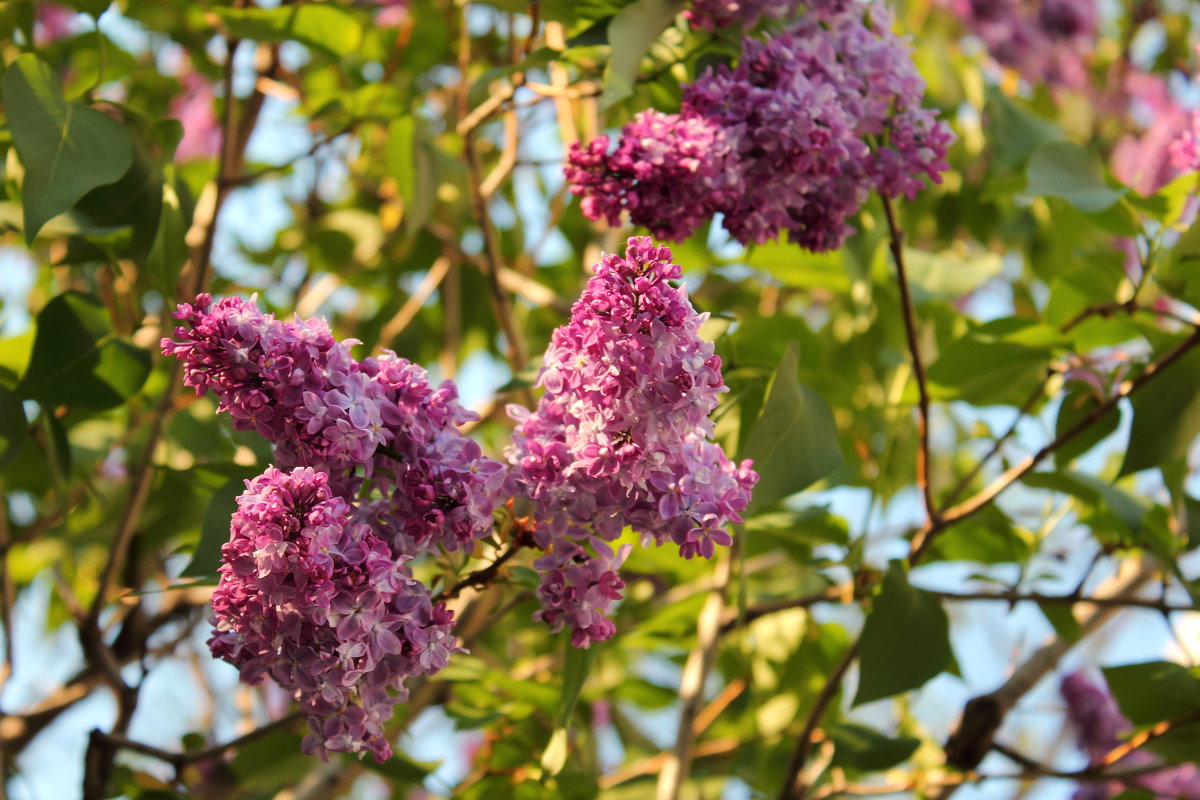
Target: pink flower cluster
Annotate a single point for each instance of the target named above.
(314, 590)
(1046, 42)
(301, 389)
(621, 437)
(325, 608)
(794, 138)
(1098, 725)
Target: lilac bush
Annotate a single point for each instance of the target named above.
(793, 138)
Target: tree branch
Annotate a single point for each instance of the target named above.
(973, 505)
(793, 786)
(677, 763)
(896, 245)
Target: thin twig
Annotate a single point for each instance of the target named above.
(484, 576)
(179, 760)
(677, 763)
(896, 245)
(973, 505)
(1149, 735)
(982, 716)
(1024, 410)
(793, 783)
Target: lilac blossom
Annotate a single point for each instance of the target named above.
(710, 14)
(793, 138)
(194, 107)
(301, 389)
(54, 21)
(1098, 725)
(621, 437)
(1046, 42)
(325, 608)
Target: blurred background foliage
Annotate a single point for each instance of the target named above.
(374, 163)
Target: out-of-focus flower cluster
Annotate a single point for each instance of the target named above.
(710, 14)
(793, 138)
(1098, 724)
(325, 607)
(1045, 42)
(621, 438)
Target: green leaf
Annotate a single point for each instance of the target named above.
(859, 747)
(67, 149)
(999, 362)
(576, 665)
(14, 428)
(1066, 170)
(800, 268)
(1166, 417)
(631, 32)
(794, 443)
(1092, 491)
(214, 532)
(1159, 691)
(324, 26)
(950, 274)
(905, 641)
(400, 770)
(411, 165)
(1179, 273)
(1062, 619)
(77, 359)
(169, 251)
(1076, 405)
(987, 538)
(134, 203)
(1015, 132)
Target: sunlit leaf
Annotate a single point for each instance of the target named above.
(67, 149)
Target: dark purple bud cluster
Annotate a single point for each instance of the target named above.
(793, 138)
(622, 438)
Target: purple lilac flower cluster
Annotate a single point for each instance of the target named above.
(314, 589)
(794, 138)
(710, 14)
(325, 608)
(1046, 42)
(1098, 725)
(301, 389)
(621, 437)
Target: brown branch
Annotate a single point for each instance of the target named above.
(1094, 774)
(896, 245)
(1149, 735)
(1159, 605)
(484, 576)
(982, 716)
(973, 505)
(1022, 412)
(677, 763)
(834, 594)
(793, 786)
(180, 760)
